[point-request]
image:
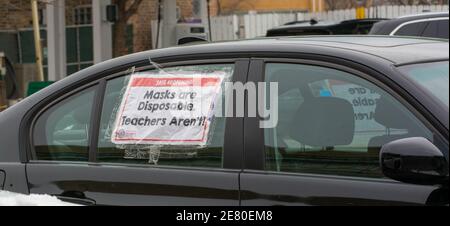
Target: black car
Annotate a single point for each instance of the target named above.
(316, 27)
(430, 25)
(361, 121)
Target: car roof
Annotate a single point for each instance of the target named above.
(397, 50)
(424, 15)
(378, 52)
(386, 27)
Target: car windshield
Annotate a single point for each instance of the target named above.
(431, 76)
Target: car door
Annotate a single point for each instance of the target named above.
(324, 150)
(76, 159)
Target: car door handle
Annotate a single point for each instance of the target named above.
(79, 201)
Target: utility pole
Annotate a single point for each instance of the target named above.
(56, 40)
(169, 22)
(102, 31)
(2, 82)
(37, 40)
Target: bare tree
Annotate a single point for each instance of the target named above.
(345, 4)
(331, 4)
(126, 8)
(340, 4)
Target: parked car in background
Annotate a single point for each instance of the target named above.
(362, 121)
(316, 27)
(431, 25)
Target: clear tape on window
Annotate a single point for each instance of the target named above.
(168, 113)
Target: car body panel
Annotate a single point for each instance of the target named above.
(133, 185)
(14, 177)
(265, 188)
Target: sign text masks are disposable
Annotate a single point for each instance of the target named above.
(167, 110)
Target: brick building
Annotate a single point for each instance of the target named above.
(225, 7)
(17, 41)
(16, 14)
(17, 17)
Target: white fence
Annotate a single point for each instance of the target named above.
(255, 25)
(225, 28)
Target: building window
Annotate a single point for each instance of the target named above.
(82, 15)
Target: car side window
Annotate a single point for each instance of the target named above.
(432, 30)
(414, 29)
(437, 29)
(183, 155)
(61, 133)
(333, 123)
(443, 29)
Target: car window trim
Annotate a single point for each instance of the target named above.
(232, 159)
(254, 151)
(171, 64)
(422, 62)
(94, 129)
(125, 165)
(322, 176)
(394, 32)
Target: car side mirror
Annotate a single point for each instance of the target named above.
(415, 161)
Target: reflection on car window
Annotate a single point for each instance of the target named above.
(209, 156)
(443, 29)
(432, 30)
(414, 29)
(61, 133)
(332, 122)
(434, 77)
(437, 29)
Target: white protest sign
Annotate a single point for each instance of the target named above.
(161, 109)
